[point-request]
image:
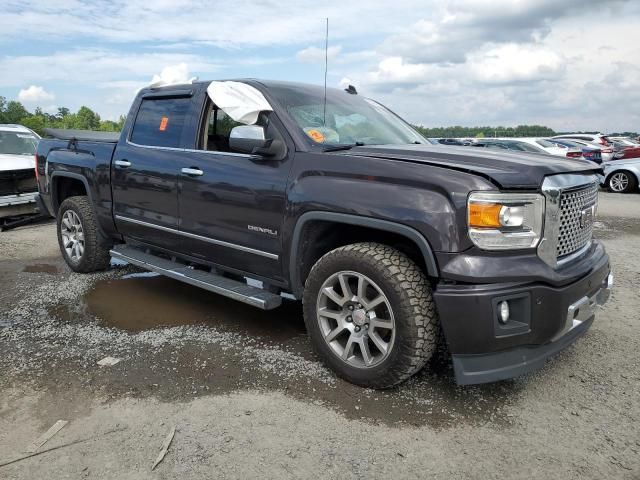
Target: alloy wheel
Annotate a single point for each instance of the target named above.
(355, 319)
(619, 182)
(72, 234)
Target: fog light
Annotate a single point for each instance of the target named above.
(503, 309)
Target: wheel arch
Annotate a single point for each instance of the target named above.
(65, 185)
(58, 180)
(351, 227)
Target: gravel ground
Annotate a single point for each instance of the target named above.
(249, 399)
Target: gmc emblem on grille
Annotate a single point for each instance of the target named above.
(586, 216)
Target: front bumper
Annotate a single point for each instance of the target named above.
(545, 319)
(21, 204)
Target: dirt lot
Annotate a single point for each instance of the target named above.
(249, 399)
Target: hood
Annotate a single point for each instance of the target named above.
(508, 169)
(622, 162)
(16, 162)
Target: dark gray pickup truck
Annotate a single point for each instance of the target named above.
(259, 190)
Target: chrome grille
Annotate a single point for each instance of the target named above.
(573, 234)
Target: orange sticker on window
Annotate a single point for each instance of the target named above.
(316, 136)
(163, 123)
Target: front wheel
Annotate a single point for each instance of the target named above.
(370, 314)
(622, 182)
(79, 237)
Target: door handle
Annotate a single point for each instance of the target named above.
(192, 171)
(122, 163)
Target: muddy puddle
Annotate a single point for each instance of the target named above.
(145, 301)
(279, 348)
(41, 268)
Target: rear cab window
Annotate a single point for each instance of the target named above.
(161, 122)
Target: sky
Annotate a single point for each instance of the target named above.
(570, 65)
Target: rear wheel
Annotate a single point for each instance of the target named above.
(370, 314)
(79, 237)
(622, 182)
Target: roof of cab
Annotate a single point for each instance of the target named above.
(251, 81)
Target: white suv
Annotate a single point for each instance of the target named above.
(598, 138)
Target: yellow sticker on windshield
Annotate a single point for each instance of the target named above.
(316, 136)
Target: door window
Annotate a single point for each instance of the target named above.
(218, 128)
(161, 121)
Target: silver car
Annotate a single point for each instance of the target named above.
(622, 176)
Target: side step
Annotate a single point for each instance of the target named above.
(209, 281)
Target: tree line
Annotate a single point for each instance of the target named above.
(486, 132)
(84, 119)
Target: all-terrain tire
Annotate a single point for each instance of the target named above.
(95, 255)
(409, 294)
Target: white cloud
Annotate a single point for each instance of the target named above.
(453, 29)
(229, 24)
(437, 62)
(395, 70)
(35, 94)
(88, 67)
(515, 63)
(172, 74)
(315, 54)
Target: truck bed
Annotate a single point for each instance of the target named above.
(83, 135)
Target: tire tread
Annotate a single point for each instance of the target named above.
(96, 257)
(416, 306)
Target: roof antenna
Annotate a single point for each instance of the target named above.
(326, 67)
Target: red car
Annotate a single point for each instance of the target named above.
(629, 150)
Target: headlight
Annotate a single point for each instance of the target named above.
(505, 221)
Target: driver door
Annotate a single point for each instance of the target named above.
(231, 205)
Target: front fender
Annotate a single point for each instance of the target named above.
(346, 219)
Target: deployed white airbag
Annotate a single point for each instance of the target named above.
(240, 101)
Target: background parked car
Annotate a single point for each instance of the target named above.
(552, 148)
(625, 150)
(588, 152)
(509, 144)
(18, 187)
(622, 176)
(627, 141)
(597, 138)
(450, 141)
(606, 152)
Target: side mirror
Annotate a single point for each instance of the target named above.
(252, 139)
(248, 139)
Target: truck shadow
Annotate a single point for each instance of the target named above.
(238, 347)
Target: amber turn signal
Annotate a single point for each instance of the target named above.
(484, 215)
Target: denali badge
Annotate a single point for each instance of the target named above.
(586, 217)
(268, 231)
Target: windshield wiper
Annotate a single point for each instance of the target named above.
(344, 146)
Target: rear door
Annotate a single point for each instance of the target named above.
(145, 169)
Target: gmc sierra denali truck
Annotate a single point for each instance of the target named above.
(259, 190)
